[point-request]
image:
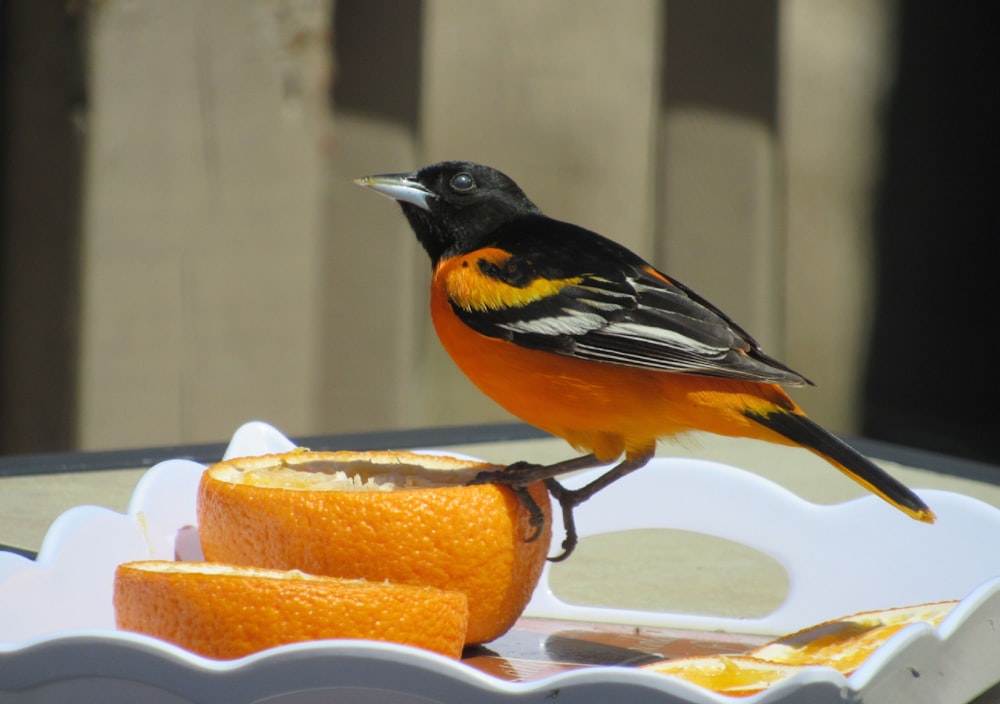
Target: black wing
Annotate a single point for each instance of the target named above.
(614, 308)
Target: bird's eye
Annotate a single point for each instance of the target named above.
(462, 182)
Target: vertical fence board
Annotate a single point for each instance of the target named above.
(835, 63)
(199, 302)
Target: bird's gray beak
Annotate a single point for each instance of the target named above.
(401, 187)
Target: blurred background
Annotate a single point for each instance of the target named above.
(183, 249)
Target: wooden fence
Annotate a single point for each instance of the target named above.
(232, 271)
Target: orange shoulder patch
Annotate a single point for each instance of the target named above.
(467, 287)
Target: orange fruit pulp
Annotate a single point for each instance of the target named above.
(402, 517)
(735, 675)
(224, 611)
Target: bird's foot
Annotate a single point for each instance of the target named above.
(524, 473)
(518, 474)
(536, 517)
(568, 500)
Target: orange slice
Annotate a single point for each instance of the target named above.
(397, 516)
(846, 643)
(223, 611)
(735, 675)
(842, 644)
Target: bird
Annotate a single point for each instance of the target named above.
(579, 336)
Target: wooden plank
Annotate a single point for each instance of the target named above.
(373, 300)
(200, 267)
(42, 113)
(373, 286)
(835, 58)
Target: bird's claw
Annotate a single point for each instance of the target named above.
(515, 475)
(536, 517)
(520, 474)
(568, 500)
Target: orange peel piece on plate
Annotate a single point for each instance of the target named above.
(843, 644)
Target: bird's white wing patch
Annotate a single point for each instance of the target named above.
(572, 322)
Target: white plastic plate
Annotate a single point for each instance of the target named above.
(58, 643)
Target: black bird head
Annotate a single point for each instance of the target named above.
(453, 206)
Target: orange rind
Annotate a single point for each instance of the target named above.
(225, 611)
(401, 517)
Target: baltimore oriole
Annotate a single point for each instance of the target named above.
(577, 335)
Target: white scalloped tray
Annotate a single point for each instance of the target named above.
(58, 643)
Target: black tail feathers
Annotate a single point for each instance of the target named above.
(802, 431)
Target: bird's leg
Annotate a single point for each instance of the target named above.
(626, 466)
(559, 493)
(569, 499)
(520, 474)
